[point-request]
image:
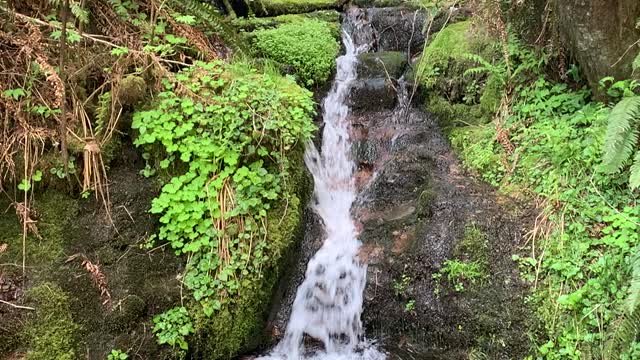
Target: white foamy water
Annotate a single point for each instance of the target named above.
(329, 302)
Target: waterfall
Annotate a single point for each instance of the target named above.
(329, 302)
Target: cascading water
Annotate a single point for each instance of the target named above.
(328, 303)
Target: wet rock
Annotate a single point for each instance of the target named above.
(414, 213)
(381, 65)
(398, 28)
(377, 3)
(599, 34)
(372, 95)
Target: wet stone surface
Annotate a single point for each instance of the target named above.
(413, 214)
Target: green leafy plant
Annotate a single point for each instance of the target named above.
(461, 272)
(228, 145)
(117, 355)
(410, 306)
(400, 286)
(308, 46)
(172, 327)
(621, 140)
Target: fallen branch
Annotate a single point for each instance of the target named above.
(16, 306)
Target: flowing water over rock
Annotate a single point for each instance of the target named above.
(392, 204)
(328, 304)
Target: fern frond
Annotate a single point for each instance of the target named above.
(633, 294)
(474, 71)
(80, 13)
(479, 59)
(625, 334)
(636, 63)
(211, 19)
(622, 133)
(634, 181)
(627, 331)
(103, 113)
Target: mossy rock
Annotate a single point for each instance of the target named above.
(260, 23)
(378, 3)
(239, 326)
(381, 64)
(453, 115)
(51, 333)
(280, 7)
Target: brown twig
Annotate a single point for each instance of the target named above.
(16, 306)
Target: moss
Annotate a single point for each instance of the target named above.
(279, 7)
(381, 64)
(308, 46)
(491, 95)
(239, 326)
(52, 332)
(473, 246)
(454, 115)
(379, 3)
(132, 89)
(260, 23)
(452, 42)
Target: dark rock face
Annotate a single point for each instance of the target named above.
(413, 209)
(381, 64)
(372, 95)
(600, 34)
(398, 29)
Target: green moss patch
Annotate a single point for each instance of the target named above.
(455, 96)
(261, 23)
(308, 46)
(52, 332)
(280, 7)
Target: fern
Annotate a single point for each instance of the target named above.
(629, 328)
(499, 71)
(622, 134)
(634, 179)
(103, 113)
(212, 19)
(636, 63)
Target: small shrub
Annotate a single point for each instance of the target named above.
(172, 327)
(308, 46)
(117, 355)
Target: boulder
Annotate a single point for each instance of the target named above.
(381, 64)
(601, 34)
(372, 95)
(398, 28)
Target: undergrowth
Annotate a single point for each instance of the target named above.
(546, 143)
(224, 134)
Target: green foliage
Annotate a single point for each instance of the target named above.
(621, 140)
(400, 286)
(460, 273)
(558, 136)
(117, 355)
(172, 327)
(452, 42)
(52, 331)
(308, 46)
(278, 7)
(229, 143)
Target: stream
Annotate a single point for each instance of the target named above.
(391, 206)
(328, 304)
